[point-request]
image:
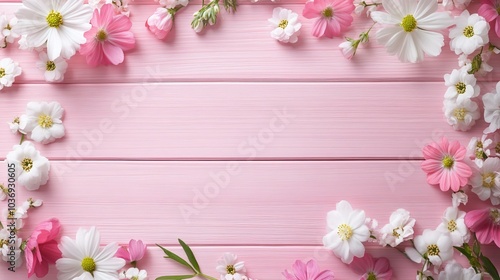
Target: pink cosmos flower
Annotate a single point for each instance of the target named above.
(41, 248)
(490, 10)
(372, 268)
(309, 271)
(445, 166)
(108, 38)
(134, 253)
(334, 16)
(486, 224)
(160, 23)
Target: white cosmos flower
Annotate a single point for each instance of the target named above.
(53, 69)
(42, 121)
(7, 35)
(286, 25)
(478, 149)
(347, 233)
(84, 258)
(491, 103)
(485, 180)
(437, 246)
(58, 23)
(461, 85)
(461, 115)
(454, 224)
(9, 70)
(412, 28)
(134, 273)
(399, 229)
(470, 33)
(32, 169)
(455, 271)
(229, 269)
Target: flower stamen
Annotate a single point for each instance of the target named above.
(88, 264)
(50, 66)
(468, 31)
(327, 13)
(2, 72)
(101, 35)
(27, 164)
(409, 23)
(489, 180)
(54, 19)
(460, 113)
(452, 225)
(433, 250)
(283, 24)
(371, 276)
(230, 269)
(448, 162)
(460, 87)
(45, 121)
(345, 232)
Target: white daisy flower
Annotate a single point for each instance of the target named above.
(58, 23)
(469, 34)
(454, 224)
(458, 198)
(478, 149)
(286, 25)
(347, 233)
(399, 229)
(485, 180)
(53, 69)
(9, 70)
(411, 30)
(461, 115)
(491, 103)
(461, 85)
(83, 257)
(32, 169)
(42, 121)
(134, 274)
(455, 271)
(435, 245)
(229, 269)
(7, 35)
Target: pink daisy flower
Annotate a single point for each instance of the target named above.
(134, 253)
(372, 268)
(486, 224)
(445, 166)
(490, 10)
(334, 16)
(309, 271)
(108, 38)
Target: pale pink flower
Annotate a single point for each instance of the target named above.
(334, 16)
(372, 268)
(445, 166)
(490, 10)
(486, 224)
(160, 23)
(41, 248)
(108, 38)
(134, 253)
(307, 271)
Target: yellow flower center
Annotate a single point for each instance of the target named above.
(27, 164)
(54, 19)
(452, 225)
(283, 24)
(88, 264)
(489, 180)
(51, 66)
(230, 269)
(433, 250)
(498, 10)
(395, 232)
(16, 120)
(371, 276)
(101, 35)
(460, 87)
(409, 23)
(45, 121)
(134, 278)
(495, 215)
(345, 232)
(468, 31)
(3, 242)
(448, 162)
(2, 72)
(460, 113)
(327, 13)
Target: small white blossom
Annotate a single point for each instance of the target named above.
(7, 35)
(478, 149)
(286, 25)
(485, 180)
(454, 224)
(42, 121)
(461, 115)
(9, 70)
(134, 274)
(169, 4)
(454, 271)
(32, 169)
(491, 103)
(461, 85)
(53, 69)
(5, 250)
(458, 198)
(469, 34)
(438, 247)
(229, 269)
(399, 229)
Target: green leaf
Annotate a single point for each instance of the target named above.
(476, 248)
(190, 255)
(490, 268)
(174, 257)
(175, 277)
(464, 251)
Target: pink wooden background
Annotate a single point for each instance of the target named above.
(286, 131)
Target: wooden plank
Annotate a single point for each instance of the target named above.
(240, 120)
(240, 48)
(230, 203)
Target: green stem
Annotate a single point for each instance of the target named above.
(206, 276)
(22, 139)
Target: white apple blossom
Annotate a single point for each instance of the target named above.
(485, 180)
(286, 25)
(399, 229)
(491, 103)
(461, 115)
(42, 121)
(32, 169)
(454, 224)
(461, 85)
(469, 33)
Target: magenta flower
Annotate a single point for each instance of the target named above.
(160, 23)
(486, 224)
(490, 10)
(445, 166)
(108, 38)
(135, 252)
(309, 271)
(334, 16)
(41, 248)
(372, 268)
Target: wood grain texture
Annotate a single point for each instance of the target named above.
(239, 48)
(240, 120)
